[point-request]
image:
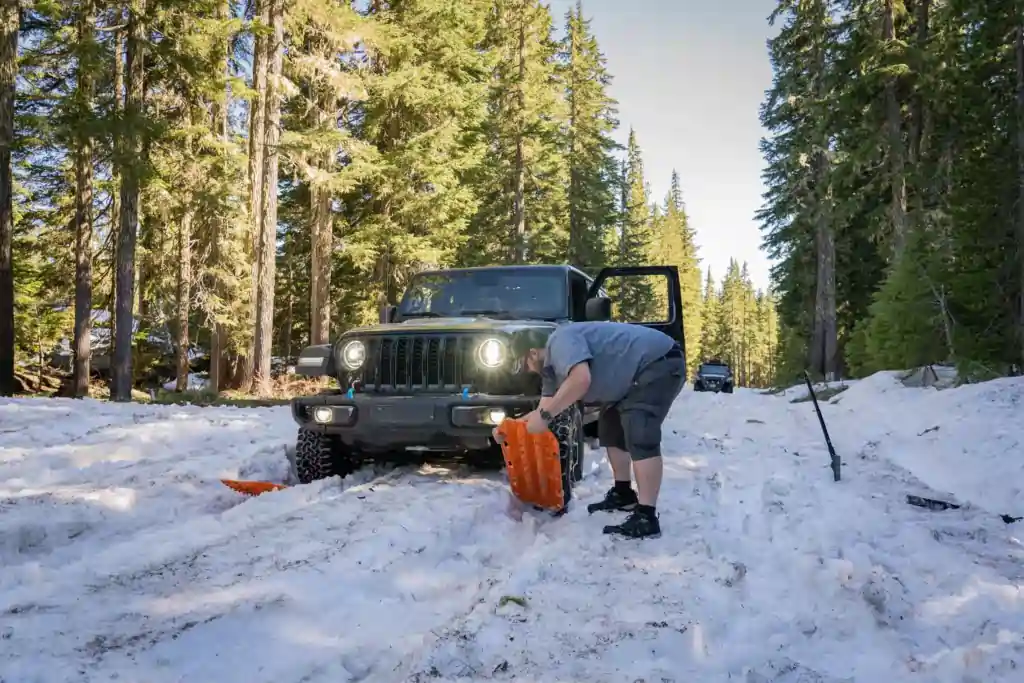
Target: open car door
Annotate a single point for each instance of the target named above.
(639, 295)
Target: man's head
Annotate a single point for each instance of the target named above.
(530, 347)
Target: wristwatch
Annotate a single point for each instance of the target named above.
(546, 416)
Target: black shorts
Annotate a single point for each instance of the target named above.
(634, 423)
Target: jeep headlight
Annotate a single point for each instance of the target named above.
(353, 354)
(491, 353)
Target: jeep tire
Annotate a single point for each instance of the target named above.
(568, 430)
(319, 456)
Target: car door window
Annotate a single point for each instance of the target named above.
(640, 298)
(578, 288)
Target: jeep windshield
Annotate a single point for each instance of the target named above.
(506, 293)
(713, 370)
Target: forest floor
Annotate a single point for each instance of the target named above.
(125, 559)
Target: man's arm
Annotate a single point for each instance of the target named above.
(572, 390)
(568, 349)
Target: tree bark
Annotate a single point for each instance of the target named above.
(267, 251)
(257, 143)
(115, 199)
(9, 21)
(131, 172)
(322, 243)
(519, 168)
(184, 283)
(825, 337)
(575, 236)
(83, 204)
(893, 125)
(1019, 48)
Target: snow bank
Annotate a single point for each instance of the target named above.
(967, 441)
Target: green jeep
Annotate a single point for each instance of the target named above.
(439, 373)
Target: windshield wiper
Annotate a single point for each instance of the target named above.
(424, 314)
(501, 315)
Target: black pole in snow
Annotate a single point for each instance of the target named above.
(836, 463)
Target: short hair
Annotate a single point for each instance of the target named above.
(529, 338)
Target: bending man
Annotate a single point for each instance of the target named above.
(636, 373)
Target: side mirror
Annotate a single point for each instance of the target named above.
(599, 308)
(387, 313)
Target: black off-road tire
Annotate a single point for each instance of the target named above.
(728, 389)
(319, 456)
(568, 430)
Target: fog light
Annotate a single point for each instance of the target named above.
(323, 415)
(496, 417)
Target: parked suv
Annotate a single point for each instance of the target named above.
(713, 376)
(438, 373)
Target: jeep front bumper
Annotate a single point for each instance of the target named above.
(420, 421)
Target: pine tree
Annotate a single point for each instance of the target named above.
(523, 179)
(677, 246)
(593, 181)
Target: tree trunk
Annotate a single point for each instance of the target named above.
(898, 179)
(575, 237)
(825, 336)
(219, 127)
(257, 143)
(289, 312)
(184, 284)
(519, 169)
(9, 18)
(184, 294)
(268, 234)
(83, 206)
(128, 158)
(322, 239)
(321, 227)
(1020, 185)
(115, 199)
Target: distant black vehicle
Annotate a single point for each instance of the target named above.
(713, 376)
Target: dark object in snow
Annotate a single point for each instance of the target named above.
(931, 503)
(939, 505)
(836, 462)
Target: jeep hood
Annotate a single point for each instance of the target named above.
(453, 324)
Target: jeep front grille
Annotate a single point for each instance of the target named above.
(420, 363)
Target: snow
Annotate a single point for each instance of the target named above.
(124, 558)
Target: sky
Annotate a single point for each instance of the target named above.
(690, 76)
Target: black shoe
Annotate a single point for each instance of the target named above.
(615, 500)
(637, 525)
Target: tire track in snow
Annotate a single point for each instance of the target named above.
(386, 552)
(762, 553)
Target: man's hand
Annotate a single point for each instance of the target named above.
(499, 438)
(535, 424)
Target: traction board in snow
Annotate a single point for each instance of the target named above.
(252, 488)
(534, 466)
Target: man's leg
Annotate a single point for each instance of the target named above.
(642, 413)
(612, 437)
(648, 480)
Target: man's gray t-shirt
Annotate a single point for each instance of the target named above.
(616, 351)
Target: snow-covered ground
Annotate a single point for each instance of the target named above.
(124, 559)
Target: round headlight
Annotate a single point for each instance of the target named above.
(491, 353)
(353, 354)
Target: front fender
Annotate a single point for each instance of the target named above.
(316, 361)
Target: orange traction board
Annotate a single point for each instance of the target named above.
(535, 468)
(252, 488)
